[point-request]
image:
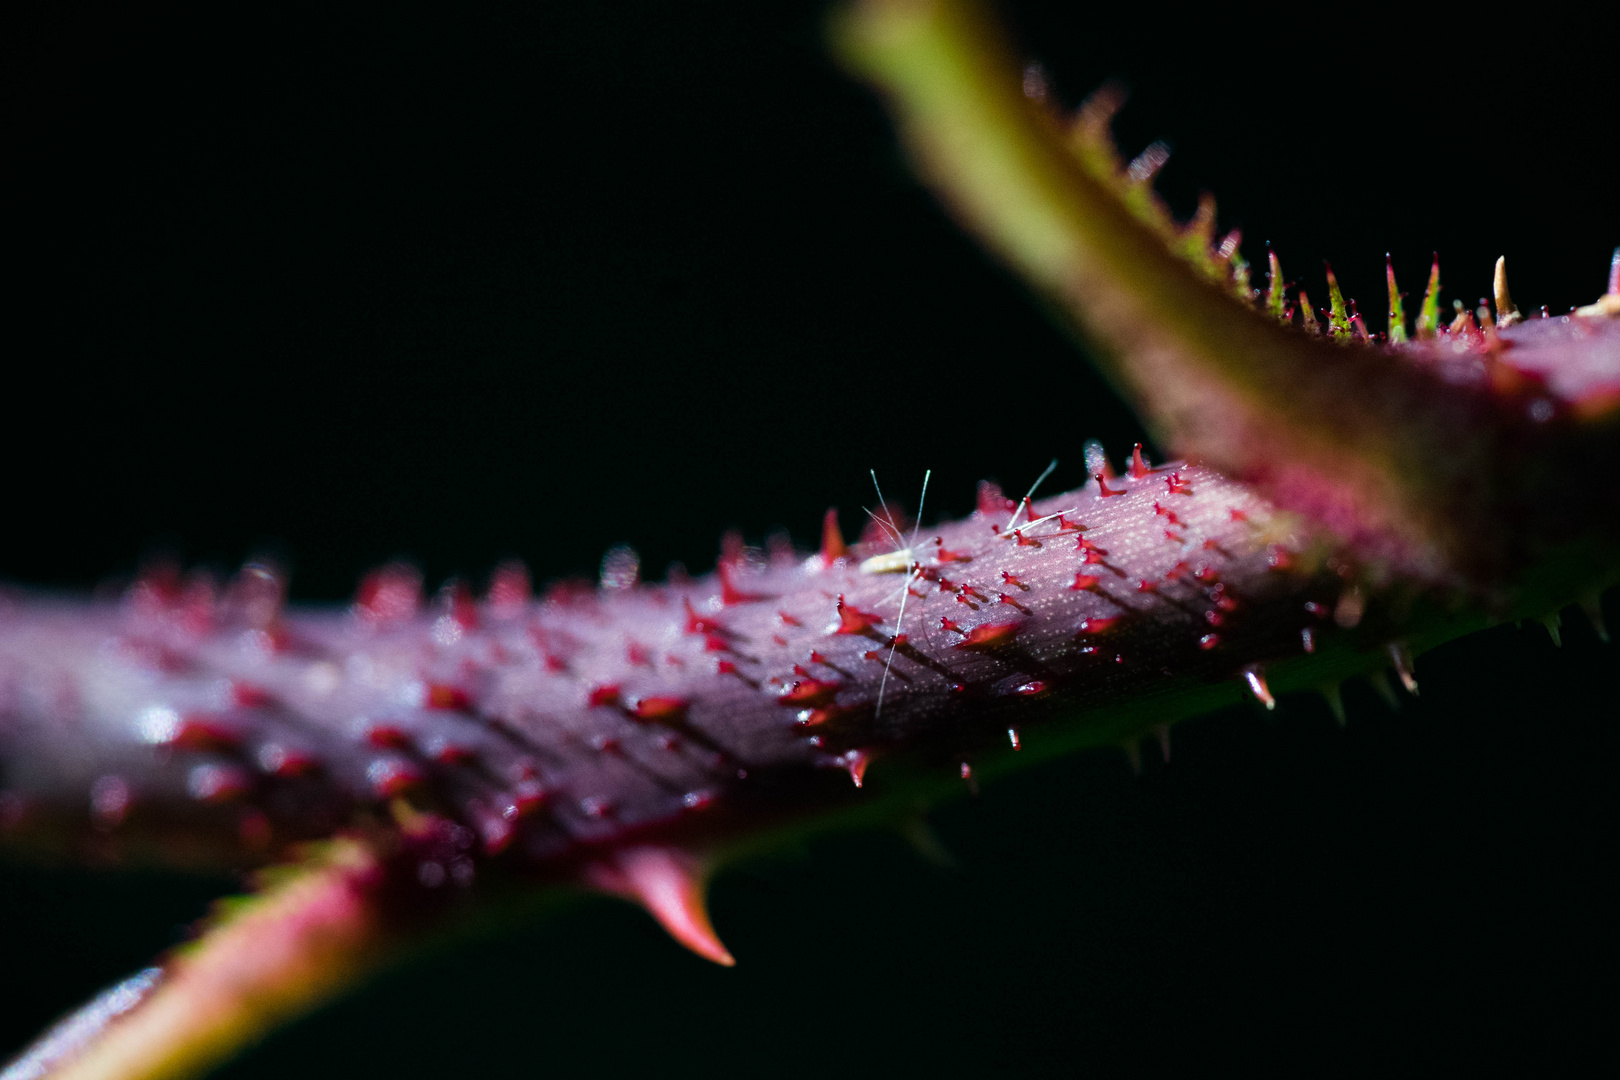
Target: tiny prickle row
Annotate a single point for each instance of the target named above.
(192, 720)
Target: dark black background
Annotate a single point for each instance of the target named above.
(537, 279)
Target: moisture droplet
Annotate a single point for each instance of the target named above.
(621, 568)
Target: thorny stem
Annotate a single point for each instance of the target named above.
(1415, 473)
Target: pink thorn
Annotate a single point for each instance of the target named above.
(856, 762)
(655, 710)
(669, 883)
(832, 540)
(1257, 686)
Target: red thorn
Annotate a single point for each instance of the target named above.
(393, 776)
(1029, 510)
(1257, 686)
(991, 501)
(1029, 689)
(852, 620)
(946, 556)
(1281, 558)
(1207, 574)
(715, 643)
(1145, 585)
(1089, 548)
(389, 594)
(1085, 581)
(949, 627)
(697, 624)
(989, 636)
(1167, 514)
(387, 737)
(832, 541)
(1104, 491)
(527, 796)
(1176, 485)
(1138, 467)
(607, 694)
(1012, 579)
(1098, 626)
(509, 588)
(284, 761)
(637, 654)
(659, 710)
(814, 717)
(809, 693)
(730, 594)
(456, 601)
(1018, 535)
(445, 697)
(202, 733)
(246, 695)
(670, 884)
(455, 754)
(217, 783)
(1065, 525)
(1209, 641)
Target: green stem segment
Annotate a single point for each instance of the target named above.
(1359, 440)
(307, 938)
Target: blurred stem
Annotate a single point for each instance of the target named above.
(315, 932)
(1358, 441)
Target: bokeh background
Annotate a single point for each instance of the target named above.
(465, 283)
